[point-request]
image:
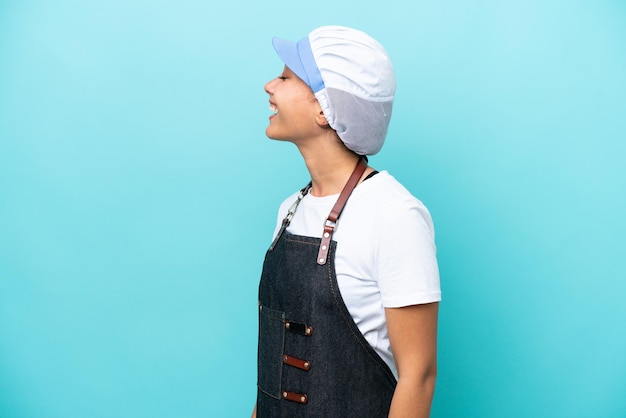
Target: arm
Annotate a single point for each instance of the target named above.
(413, 338)
(254, 412)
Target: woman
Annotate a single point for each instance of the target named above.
(349, 293)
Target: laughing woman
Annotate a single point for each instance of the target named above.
(349, 292)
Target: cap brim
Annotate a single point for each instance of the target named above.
(288, 52)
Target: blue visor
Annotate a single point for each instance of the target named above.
(299, 58)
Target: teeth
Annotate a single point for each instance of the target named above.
(273, 109)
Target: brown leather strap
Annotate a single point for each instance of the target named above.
(296, 362)
(296, 397)
(331, 221)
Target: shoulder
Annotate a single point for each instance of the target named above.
(384, 199)
(384, 188)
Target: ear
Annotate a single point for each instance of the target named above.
(321, 119)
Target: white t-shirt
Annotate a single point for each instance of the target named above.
(385, 257)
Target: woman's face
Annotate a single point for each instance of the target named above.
(296, 110)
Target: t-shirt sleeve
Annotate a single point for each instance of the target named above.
(406, 260)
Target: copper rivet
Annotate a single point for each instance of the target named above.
(321, 260)
(306, 365)
(324, 247)
(302, 399)
(308, 330)
(287, 325)
(284, 394)
(326, 235)
(285, 358)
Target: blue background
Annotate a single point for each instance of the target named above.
(138, 194)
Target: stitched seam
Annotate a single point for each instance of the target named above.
(269, 394)
(300, 241)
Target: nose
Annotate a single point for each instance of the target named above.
(269, 86)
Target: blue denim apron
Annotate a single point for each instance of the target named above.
(313, 360)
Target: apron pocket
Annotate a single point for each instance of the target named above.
(271, 346)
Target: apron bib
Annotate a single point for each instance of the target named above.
(313, 361)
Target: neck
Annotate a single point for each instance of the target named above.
(330, 166)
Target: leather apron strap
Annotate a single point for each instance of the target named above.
(331, 220)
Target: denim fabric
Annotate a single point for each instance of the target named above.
(347, 377)
(272, 326)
